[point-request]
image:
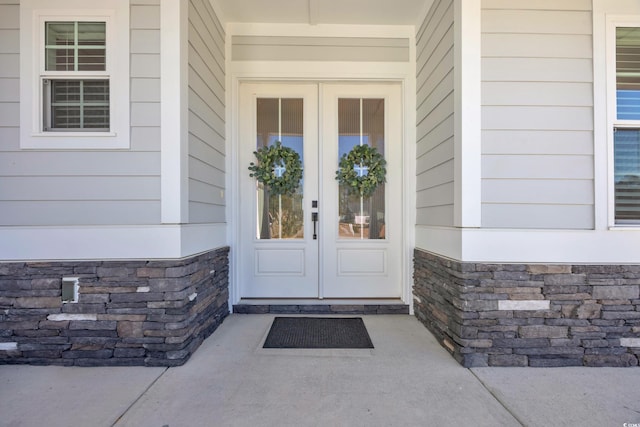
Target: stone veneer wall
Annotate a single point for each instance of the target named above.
(152, 313)
(530, 314)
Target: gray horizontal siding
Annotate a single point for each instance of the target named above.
(435, 117)
(145, 96)
(571, 5)
(288, 48)
(16, 188)
(73, 187)
(537, 114)
(9, 76)
(79, 164)
(206, 114)
(72, 212)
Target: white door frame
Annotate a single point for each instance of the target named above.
(404, 75)
(353, 268)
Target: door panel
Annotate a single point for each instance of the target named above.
(357, 252)
(278, 256)
(361, 239)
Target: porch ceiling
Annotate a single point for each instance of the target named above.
(350, 12)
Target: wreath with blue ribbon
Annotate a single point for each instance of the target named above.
(361, 170)
(278, 167)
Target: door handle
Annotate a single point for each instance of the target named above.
(314, 218)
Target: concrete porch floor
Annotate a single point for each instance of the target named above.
(408, 379)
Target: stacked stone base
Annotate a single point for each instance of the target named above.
(530, 315)
(151, 313)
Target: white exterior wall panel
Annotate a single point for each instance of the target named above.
(61, 187)
(537, 115)
(206, 114)
(435, 124)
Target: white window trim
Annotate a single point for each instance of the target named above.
(33, 14)
(612, 23)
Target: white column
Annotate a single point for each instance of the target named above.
(467, 116)
(174, 111)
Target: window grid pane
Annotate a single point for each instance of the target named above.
(75, 46)
(626, 139)
(627, 175)
(79, 104)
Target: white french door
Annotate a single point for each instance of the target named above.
(321, 241)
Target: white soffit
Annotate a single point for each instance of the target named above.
(349, 12)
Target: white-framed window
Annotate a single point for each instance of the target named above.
(624, 124)
(75, 80)
(74, 74)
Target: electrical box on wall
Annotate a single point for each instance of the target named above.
(70, 286)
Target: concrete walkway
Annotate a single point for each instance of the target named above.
(407, 380)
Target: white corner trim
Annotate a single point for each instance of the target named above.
(467, 116)
(174, 111)
(110, 242)
(603, 160)
(445, 241)
(530, 305)
(409, 181)
(196, 238)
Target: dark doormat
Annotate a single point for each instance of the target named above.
(318, 332)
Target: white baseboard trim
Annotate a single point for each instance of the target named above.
(614, 246)
(110, 242)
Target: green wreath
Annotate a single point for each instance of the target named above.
(278, 167)
(361, 170)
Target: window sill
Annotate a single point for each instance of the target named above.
(624, 227)
(74, 141)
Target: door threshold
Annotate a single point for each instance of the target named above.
(319, 301)
(321, 306)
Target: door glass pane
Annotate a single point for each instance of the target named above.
(361, 122)
(280, 216)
